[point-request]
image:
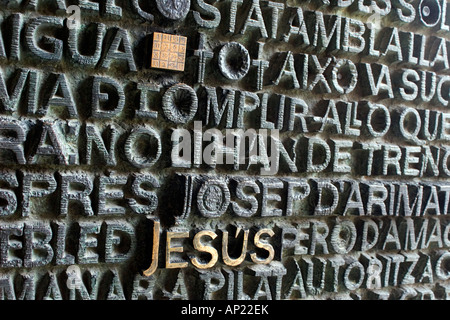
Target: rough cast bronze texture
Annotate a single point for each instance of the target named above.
(297, 150)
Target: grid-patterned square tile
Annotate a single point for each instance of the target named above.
(168, 51)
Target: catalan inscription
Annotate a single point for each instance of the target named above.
(237, 149)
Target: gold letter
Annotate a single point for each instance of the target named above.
(205, 248)
(169, 249)
(261, 245)
(155, 250)
(226, 258)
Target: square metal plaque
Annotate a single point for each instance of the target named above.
(168, 51)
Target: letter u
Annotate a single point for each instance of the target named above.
(225, 254)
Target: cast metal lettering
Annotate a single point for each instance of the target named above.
(239, 150)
